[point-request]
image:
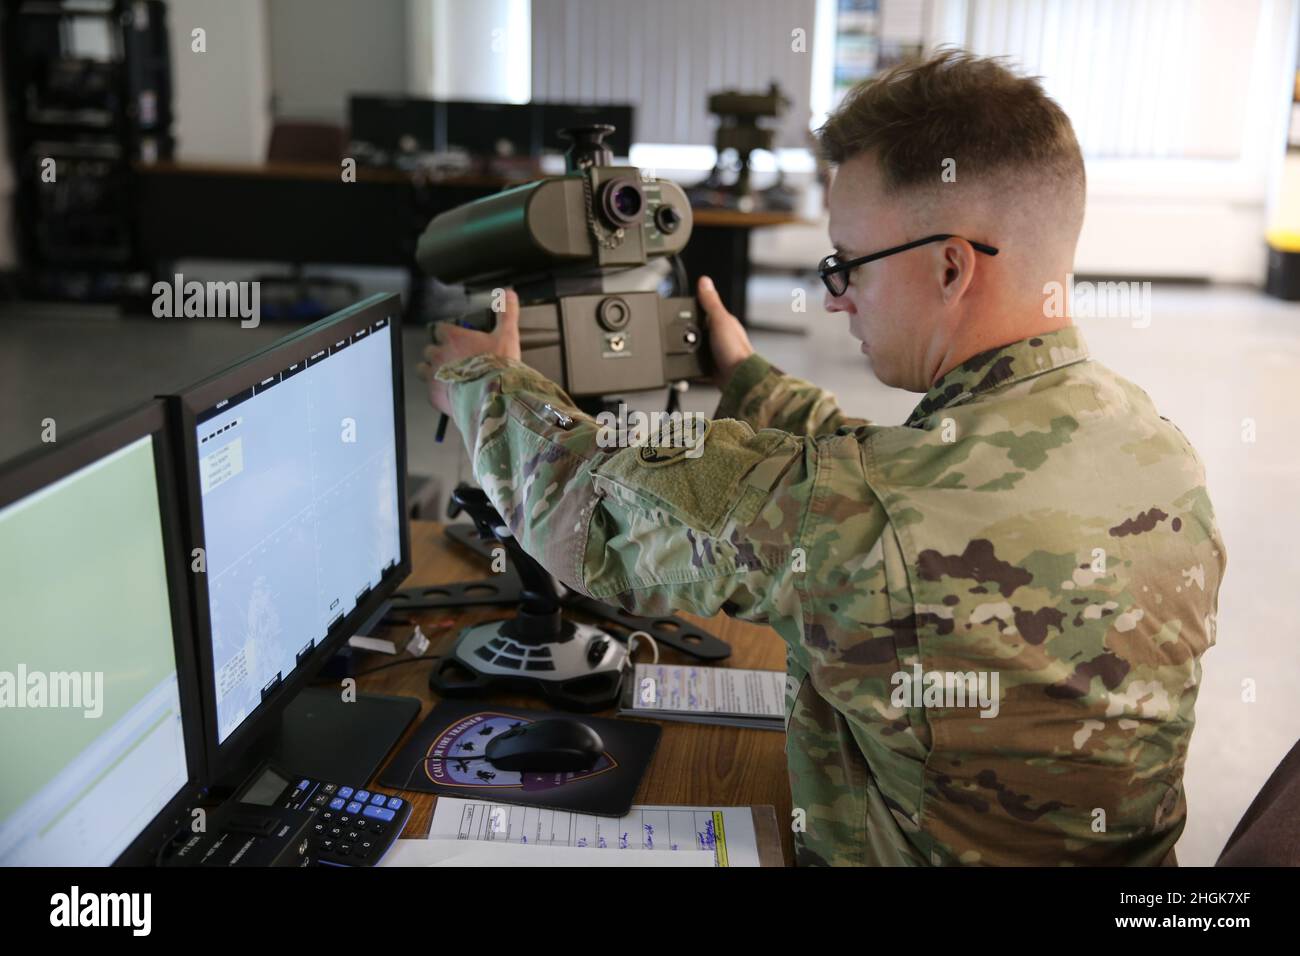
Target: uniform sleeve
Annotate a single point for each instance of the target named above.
(709, 528)
(763, 396)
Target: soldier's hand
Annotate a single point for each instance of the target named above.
(727, 337)
(456, 343)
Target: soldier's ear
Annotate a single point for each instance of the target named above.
(957, 261)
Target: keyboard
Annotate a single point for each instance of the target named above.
(352, 826)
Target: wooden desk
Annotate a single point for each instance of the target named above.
(694, 765)
(710, 218)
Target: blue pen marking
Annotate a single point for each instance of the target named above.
(708, 839)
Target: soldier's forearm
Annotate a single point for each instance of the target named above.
(688, 536)
(763, 396)
(531, 449)
(480, 389)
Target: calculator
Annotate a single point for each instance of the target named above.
(351, 826)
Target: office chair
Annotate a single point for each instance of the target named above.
(1269, 833)
(296, 141)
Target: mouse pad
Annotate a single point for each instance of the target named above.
(438, 760)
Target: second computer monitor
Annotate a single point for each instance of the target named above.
(100, 747)
(395, 124)
(489, 129)
(295, 464)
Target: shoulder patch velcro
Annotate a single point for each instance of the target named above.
(656, 456)
(700, 490)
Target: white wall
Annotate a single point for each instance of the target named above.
(221, 96)
(419, 47)
(324, 50)
(481, 50)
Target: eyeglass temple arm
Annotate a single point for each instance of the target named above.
(983, 247)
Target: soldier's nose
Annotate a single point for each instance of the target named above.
(834, 303)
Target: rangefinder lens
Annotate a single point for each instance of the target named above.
(622, 202)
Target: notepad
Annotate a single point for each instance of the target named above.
(482, 853)
(727, 835)
(729, 696)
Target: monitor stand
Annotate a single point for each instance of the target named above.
(325, 738)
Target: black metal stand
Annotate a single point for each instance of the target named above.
(507, 588)
(77, 233)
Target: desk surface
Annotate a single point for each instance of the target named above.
(695, 764)
(735, 219)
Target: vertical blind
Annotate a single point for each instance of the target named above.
(666, 57)
(1139, 78)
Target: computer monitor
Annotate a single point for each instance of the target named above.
(100, 739)
(553, 117)
(294, 465)
(489, 129)
(394, 124)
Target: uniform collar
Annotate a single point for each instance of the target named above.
(1000, 367)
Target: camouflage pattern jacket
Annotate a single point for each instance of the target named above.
(1034, 529)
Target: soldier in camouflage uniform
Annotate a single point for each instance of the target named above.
(1033, 519)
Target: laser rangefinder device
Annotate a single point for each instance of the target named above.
(558, 241)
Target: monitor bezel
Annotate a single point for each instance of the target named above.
(430, 110)
(223, 757)
(42, 467)
(457, 115)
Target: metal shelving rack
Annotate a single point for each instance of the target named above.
(95, 117)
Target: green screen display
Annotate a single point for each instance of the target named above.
(83, 588)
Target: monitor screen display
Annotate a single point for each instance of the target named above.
(91, 736)
(301, 516)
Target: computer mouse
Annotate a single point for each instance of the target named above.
(555, 744)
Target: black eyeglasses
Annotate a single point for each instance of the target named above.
(834, 271)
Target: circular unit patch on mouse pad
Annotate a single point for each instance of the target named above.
(455, 757)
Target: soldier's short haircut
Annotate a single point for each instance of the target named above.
(957, 106)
